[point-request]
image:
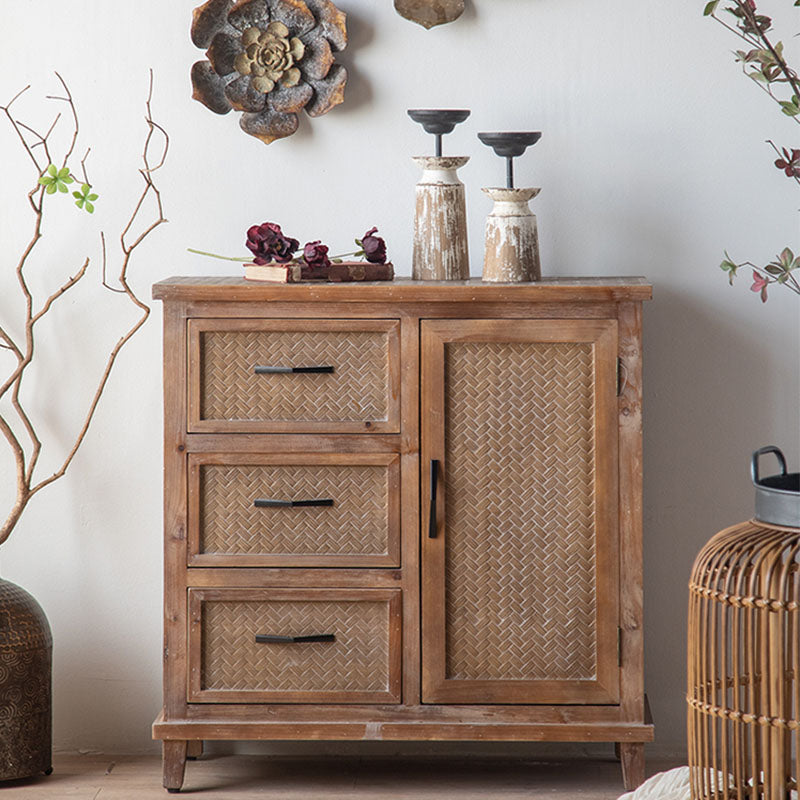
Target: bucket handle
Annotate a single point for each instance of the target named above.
(762, 452)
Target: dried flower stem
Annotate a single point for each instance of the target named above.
(26, 459)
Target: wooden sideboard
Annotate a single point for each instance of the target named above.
(403, 511)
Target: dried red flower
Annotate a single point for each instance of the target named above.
(374, 247)
(315, 254)
(267, 243)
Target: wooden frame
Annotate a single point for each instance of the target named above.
(403, 306)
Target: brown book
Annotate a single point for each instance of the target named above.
(360, 271)
(274, 273)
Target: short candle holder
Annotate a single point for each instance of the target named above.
(512, 237)
(440, 222)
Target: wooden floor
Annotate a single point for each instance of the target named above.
(341, 778)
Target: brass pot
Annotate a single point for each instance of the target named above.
(26, 648)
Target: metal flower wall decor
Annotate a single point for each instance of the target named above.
(269, 59)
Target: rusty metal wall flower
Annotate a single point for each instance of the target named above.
(269, 59)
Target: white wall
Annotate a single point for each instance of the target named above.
(652, 162)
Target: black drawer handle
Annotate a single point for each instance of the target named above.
(432, 512)
(268, 638)
(262, 502)
(262, 370)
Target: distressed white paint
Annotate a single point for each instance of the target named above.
(441, 250)
(511, 254)
(651, 164)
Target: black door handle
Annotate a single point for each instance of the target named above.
(263, 370)
(434, 484)
(268, 638)
(262, 502)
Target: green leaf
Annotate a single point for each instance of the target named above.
(90, 207)
(790, 109)
(78, 195)
(62, 188)
(92, 197)
(786, 257)
(711, 7)
(53, 170)
(45, 181)
(51, 188)
(79, 202)
(773, 270)
(63, 175)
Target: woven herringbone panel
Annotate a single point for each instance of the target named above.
(357, 390)
(520, 562)
(357, 661)
(357, 523)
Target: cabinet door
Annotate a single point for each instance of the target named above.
(520, 595)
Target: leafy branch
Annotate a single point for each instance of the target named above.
(765, 64)
(53, 176)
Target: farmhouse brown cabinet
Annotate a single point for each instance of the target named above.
(403, 511)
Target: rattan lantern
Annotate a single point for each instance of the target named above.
(744, 663)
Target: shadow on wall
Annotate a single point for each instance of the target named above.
(704, 379)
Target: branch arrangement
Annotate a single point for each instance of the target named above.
(764, 63)
(53, 175)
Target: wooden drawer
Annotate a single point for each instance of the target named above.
(236, 520)
(361, 664)
(241, 378)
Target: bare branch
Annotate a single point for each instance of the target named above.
(8, 343)
(11, 102)
(22, 489)
(105, 267)
(83, 166)
(26, 488)
(6, 109)
(65, 288)
(75, 124)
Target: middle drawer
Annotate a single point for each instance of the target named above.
(294, 510)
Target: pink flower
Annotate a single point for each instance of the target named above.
(760, 285)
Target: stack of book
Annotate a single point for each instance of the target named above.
(337, 272)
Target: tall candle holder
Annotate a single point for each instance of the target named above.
(512, 237)
(440, 222)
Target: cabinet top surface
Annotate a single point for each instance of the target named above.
(235, 289)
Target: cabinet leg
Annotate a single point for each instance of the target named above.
(632, 757)
(174, 754)
(194, 749)
(617, 753)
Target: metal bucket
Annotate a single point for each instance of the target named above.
(777, 496)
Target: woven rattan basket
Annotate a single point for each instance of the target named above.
(744, 664)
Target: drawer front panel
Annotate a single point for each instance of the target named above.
(241, 375)
(346, 510)
(359, 663)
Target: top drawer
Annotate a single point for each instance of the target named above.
(289, 375)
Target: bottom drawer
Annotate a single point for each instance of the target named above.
(313, 645)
